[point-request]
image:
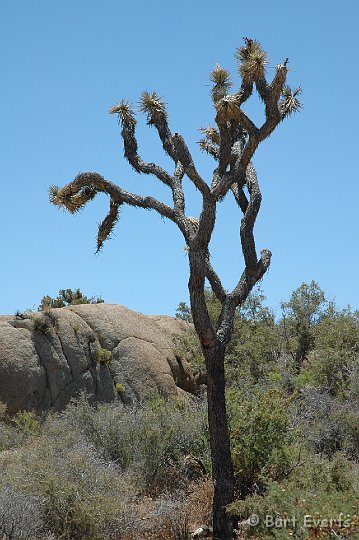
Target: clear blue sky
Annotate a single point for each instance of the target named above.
(63, 64)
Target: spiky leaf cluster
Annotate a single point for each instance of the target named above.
(152, 105)
(126, 115)
(210, 143)
(53, 195)
(211, 133)
(220, 77)
(106, 227)
(228, 107)
(204, 145)
(72, 202)
(289, 103)
(252, 60)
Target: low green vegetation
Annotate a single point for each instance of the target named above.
(102, 356)
(42, 325)
(119, 472)
(67, 297)
(120, 387)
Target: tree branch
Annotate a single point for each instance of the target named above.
(247, 225)
(155, 108)
(228, 108)
(157, 116)
(248, 280)
(272, 110)
(184, 156)
(239, 294)
(130, 152)
(220, 189)
(215, 282)
(95, 183)
(178, 195)
(206, 223)
(226, 143)
(240, 197)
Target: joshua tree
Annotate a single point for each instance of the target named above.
(232, 143)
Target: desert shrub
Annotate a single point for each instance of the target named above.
(42, 325)
(338, 331)
(149, 440)
(168, 519)
(9, 437)
(15, 430)
(20, 515)
(67, 297)
(173, 516)
(82, 495)
(254, 349)
(27, 423)
(102, 356)
(351, 433)
(120, 387)
(85, 464)
(261, 439)
(330, 425)
(339, 431)
(165, 433)
(109, 427)
(329, 370)
(319, 488)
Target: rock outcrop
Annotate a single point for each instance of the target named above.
(107, 350)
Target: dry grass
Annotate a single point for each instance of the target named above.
(172, 516)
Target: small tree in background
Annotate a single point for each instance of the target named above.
(301, 313)
(232, 143)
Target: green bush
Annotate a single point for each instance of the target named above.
(42, 325)
(102, 356)
(318, 488)
(189, 347)
(338, 331)
(305, 309)
(120, 387)
(27, 423)
(254, 350)
(329, 370)
(262, 444)
(67, 297)
(16, 430)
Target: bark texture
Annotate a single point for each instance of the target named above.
(232, 143)
(222, 468)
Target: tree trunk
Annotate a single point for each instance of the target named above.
(222, 467)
